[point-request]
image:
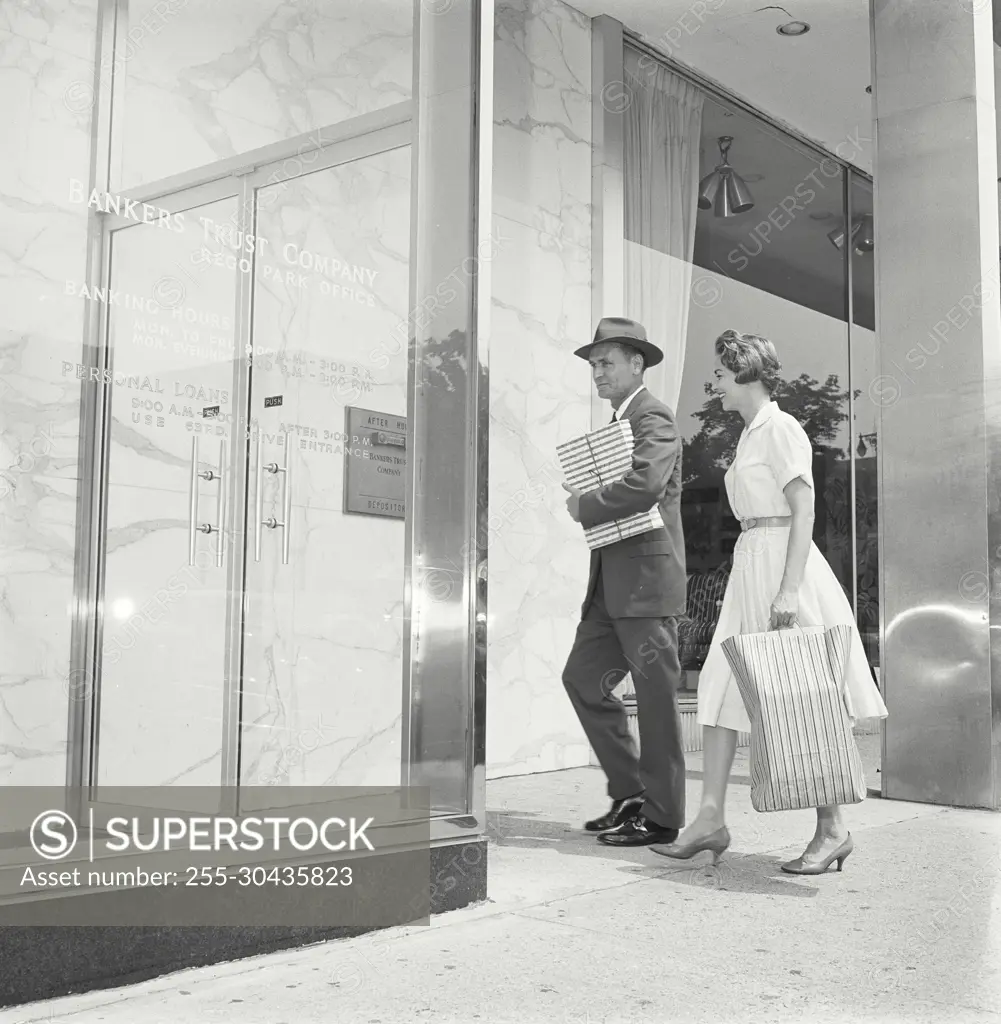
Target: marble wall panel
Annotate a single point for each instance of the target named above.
(209, 79)
(46, 67)
(539, 391)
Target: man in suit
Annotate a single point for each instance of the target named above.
(635, 594)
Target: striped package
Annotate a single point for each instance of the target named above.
(803, 753)
(597, 459)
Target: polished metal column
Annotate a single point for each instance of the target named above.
(610, 98)
(446, 537)
(939, 390)
(86, 611)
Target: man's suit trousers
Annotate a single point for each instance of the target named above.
(604, 650)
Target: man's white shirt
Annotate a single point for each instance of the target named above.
(621, 411)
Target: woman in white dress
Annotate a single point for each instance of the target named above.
(779, 578)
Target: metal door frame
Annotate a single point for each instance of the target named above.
(355, 139)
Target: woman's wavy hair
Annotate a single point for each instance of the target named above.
(749, 357)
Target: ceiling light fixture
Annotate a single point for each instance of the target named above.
(790, 28)
(863, 240)
(724, 190)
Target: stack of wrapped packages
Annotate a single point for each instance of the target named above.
(597, 459)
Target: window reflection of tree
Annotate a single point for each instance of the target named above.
(444, 379)
(710, 527)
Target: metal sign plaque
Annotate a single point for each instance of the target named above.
(375, 463)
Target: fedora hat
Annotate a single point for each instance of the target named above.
(629, 332)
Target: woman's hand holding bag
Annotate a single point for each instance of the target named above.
(784, 611)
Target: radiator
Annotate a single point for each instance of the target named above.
(691, 731)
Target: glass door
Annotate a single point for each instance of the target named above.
(255, 448)
(168, 397)
(322, 685)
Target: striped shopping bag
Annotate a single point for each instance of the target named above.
(803, 753)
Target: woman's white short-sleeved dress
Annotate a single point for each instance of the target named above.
(772, 451)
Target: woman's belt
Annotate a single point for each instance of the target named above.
(750, 524)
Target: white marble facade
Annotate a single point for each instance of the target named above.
(46, 71)
(539, 391)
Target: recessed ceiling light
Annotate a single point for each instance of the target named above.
(793, 28)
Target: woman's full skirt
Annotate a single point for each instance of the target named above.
(758, 565)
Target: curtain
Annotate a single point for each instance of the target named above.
(663, 129)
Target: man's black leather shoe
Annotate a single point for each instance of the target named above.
(621, 810)
(639, 830)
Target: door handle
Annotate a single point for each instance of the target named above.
(221, 505)
(271, 523)
(287, 495)
(258, 501)
(193, 501)
(193, 525)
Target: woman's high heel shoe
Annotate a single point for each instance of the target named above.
(717, 842)
(801, 866)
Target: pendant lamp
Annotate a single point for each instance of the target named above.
(724, 190)
(862, 235)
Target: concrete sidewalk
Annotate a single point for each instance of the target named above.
(576, 933)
